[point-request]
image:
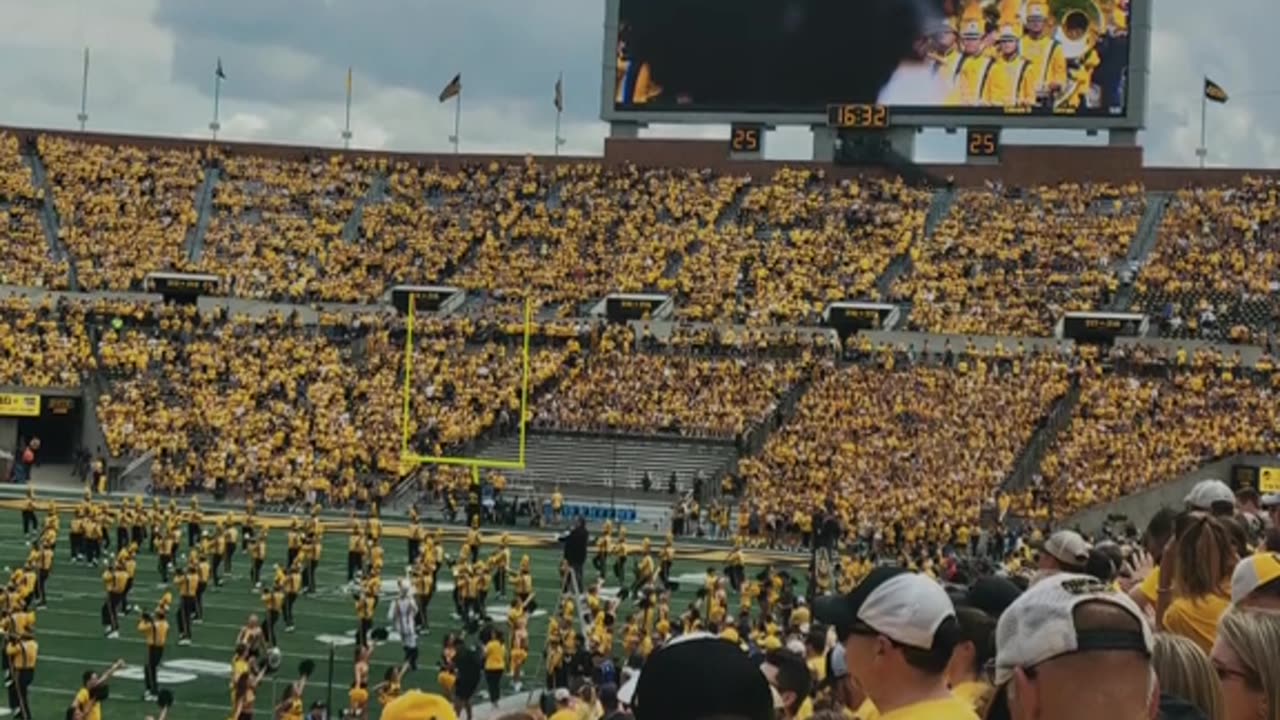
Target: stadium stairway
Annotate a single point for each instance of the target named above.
(939, 208)
(1027, 465)
(194, 245)
(49, 215)
(1144, 241)
(377, 191)
(600, 465)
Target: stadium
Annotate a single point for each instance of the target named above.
(742, 391)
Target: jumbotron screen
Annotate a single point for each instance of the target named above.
(918, 57)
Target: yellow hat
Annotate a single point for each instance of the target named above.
(1037, 10)
(1252, 573)
(972, 24)
(417, 705)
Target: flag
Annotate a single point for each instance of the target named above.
(1214, 91)
(453, 89)
(217, 72)
(559, 101)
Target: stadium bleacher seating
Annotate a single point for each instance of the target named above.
(1216, 272)
(904, 450)
(124, 211)
(1011, 261)
(904, 445)
(27, 257)
(1131, 433)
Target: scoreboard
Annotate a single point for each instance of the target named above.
(877, 64)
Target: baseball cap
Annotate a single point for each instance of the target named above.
(562, 694)
(1067, 547)
(1041, 624)
(1271, 501)
(990, 594)
(1207, 492)
(417, 705)
(891, 601)
(695, 676)
(1252, 573)
(837, 665)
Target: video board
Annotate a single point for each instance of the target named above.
(1008, 63)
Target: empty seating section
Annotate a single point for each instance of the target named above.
(123, 211)
(1006, 261)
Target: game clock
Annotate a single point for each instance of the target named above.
(746, 138)
(858, 116)
(982, 143)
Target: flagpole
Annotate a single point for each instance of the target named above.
(346, 131)
(1203, 151)
(217, 92)
(457, 122)
(83, 117)
(559, 112)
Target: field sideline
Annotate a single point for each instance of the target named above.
(71, 637)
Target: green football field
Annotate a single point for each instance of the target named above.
(72, 639)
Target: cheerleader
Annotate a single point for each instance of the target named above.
(358, 695)
(389, 688)
(448, 675)
(519, 645)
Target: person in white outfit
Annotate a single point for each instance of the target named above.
(401, 614)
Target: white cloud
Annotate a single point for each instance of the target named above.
(152, 63)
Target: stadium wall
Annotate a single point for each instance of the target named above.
(1020, 165)
(1141, 507)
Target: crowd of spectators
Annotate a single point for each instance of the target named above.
(1215, 273)
(123, 211)
(1011, 261)
(1131, 433)
(28, 260)
(274, 222)
(621, 389)
(904, 454)
(289, 409)
(797, 243)
(43, 344)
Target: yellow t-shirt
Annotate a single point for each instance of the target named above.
(973, 694)
(564, 714)
(1197, 619)
(494, 656)
(83, 701)
(950, 708)
(866, 711)
(1150, 586)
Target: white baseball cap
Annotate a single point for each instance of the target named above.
(1068, 547)
(1040, 625)
(1271, 502)
(901, 605)
(1207, 492)
(1252, 573)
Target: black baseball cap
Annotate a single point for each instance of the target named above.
(700, 676)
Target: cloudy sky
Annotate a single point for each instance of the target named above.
(286, 60)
